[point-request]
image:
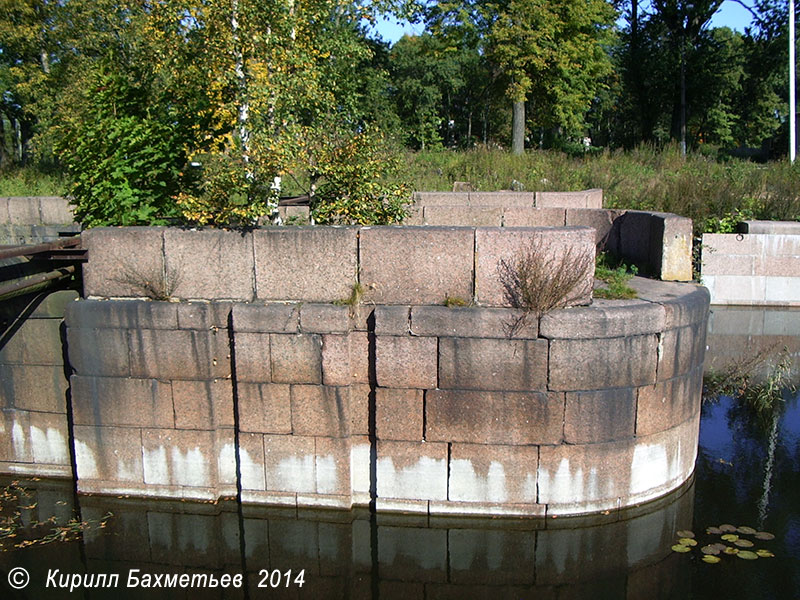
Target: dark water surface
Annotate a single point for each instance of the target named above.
(747, 473)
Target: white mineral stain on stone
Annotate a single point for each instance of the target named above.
(190, 468)
(156, 468)
(650, 468)
(85, 462)
(252, 471)
(226, 463)
(467, 486)
(529, 488)
(49, 446)
(293, 474)
(359, 468)
(424, 480)
(19, 442)
(327, 477)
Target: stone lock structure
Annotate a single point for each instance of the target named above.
(254, 375)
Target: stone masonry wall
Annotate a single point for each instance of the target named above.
(752, 268)
(34, 436)
(29, 220)
(659, 244)
(420, 408)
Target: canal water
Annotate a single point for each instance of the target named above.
(747, 475)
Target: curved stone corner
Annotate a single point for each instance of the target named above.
(590, 409)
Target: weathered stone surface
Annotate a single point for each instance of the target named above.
(310, 264)
(33, 387)
(581, 199)
(122, 314)
(494, 417)
(441, 198)
(345, 358)
(49, 441)
(320, 410)
(406, 362)
(681, 350)
(225, 271)
(251, 457)
(272, 318)
(264, 407)
(290, 463)
(15, 443)
(184, 354)
(332, 466)
(24, 211)
(124, 262)
(412, 470)
(203, 315)
(184, 458)
(51, 306)
(602, 221)
(324, 318)
(463, 216)
(770, 227)
(492, 364)
(102, 352)
(203, 404)
(497, 474)
(497, 245)
(416, 265)
(55, 210)
(34, 342)
(443, 321)
(728, 264)
(253, 361)
(392, 320)
(684, 303)
(296, 358)
(603, 319)
(414, 215)
(529, 216)
(399, 414)
(626, 362)
(636, 235)
(117, 401)
(674, 236)
(660, 406)
(502, 199)
(112, 454)
(600, 416)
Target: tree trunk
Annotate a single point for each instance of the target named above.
(518, 127)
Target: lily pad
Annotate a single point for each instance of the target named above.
(744, 543)
(747, 555)
(713, 530)
(763, 535)
(687, 541)
(710, 549)
(683, 533)
(746, 530)
(729, 550)
(711, 559)
(719, 546)
(730, 537)
(680, 548)
(726, 528)
(765, 553)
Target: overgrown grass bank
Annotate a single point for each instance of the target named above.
(33, 181)
(712, 193)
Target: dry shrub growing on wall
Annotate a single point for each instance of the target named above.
(536, 282)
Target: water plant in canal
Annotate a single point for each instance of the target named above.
(19, 530)
(712, 552)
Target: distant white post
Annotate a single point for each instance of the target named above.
(792, 124)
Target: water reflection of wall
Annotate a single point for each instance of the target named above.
(346, 555)
(754, 337)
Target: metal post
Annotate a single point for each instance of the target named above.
(792, 116)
